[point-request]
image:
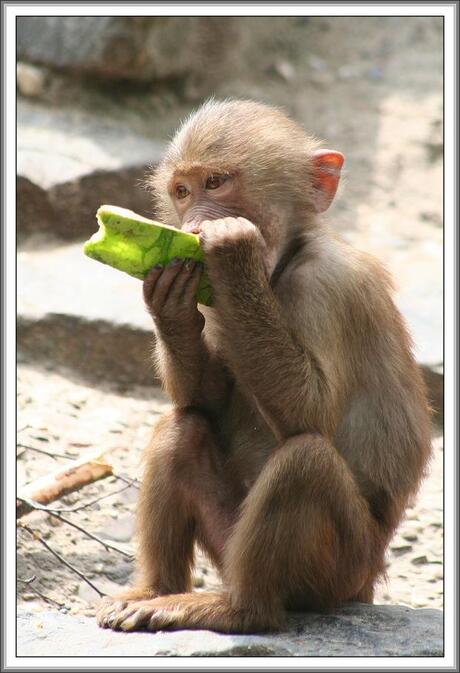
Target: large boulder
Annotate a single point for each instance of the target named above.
(356, 630)
(69, 162)
(136, 48)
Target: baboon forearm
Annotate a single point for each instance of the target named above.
(265, 356)
(191, 376)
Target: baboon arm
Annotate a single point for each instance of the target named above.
(278, 366)
(191, 374)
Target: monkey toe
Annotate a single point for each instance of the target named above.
(108, 609)
(166, 620)
(140, 616)
(134, 617)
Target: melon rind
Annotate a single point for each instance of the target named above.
(134, 244)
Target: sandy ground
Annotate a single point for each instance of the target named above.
(62, 416)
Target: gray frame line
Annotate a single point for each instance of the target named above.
(4, 392)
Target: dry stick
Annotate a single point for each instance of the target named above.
(39, 593)
(38, 537)
(51, 454)
(85, 505)
(28, 580)
(69, 478)
(47, 598)
(42, 508)
(131, 481)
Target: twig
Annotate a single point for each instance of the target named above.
(43, 508)
(47, 598)
(28, 580)
(78, 508)
(24, 427)
(39, 593)
(68, 478)
(51, 454)
(38, 537)
(131, 481)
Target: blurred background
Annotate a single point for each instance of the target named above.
(98, 98)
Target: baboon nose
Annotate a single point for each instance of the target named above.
(191, 228)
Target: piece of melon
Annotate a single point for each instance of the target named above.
(134, 244)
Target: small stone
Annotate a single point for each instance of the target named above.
(30, 79)
(285, 70)
(375, 73)
(419, 560)
(410, 537)
(402, 549)
(348, 72)
(433, 217)
(317, 63)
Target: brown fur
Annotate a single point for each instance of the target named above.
(301, 427)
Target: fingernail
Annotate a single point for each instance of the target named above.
(158, 266)
(189, 264)
(175, 261)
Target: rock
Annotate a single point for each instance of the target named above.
(419, 560)
(349, 71)
(70, 162)
(285, 70)
(138, 48)
(82, 331)
(317, 63)
(30, 79)
(398, 550)
(89, 348)
(375, 73)
(355, 630)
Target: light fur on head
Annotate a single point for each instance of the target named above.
(268, 151)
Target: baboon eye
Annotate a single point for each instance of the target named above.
(215, 181)
(181, 192)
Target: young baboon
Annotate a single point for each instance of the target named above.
(300, 427)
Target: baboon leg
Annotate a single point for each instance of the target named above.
(304, 539)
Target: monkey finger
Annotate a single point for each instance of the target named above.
(150, 281)
(193, 282)
(177, 290)
(165, 282)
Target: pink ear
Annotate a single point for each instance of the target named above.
(326, 175)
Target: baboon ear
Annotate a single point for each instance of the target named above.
(327, 165)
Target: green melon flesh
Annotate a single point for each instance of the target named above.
(133, 244)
